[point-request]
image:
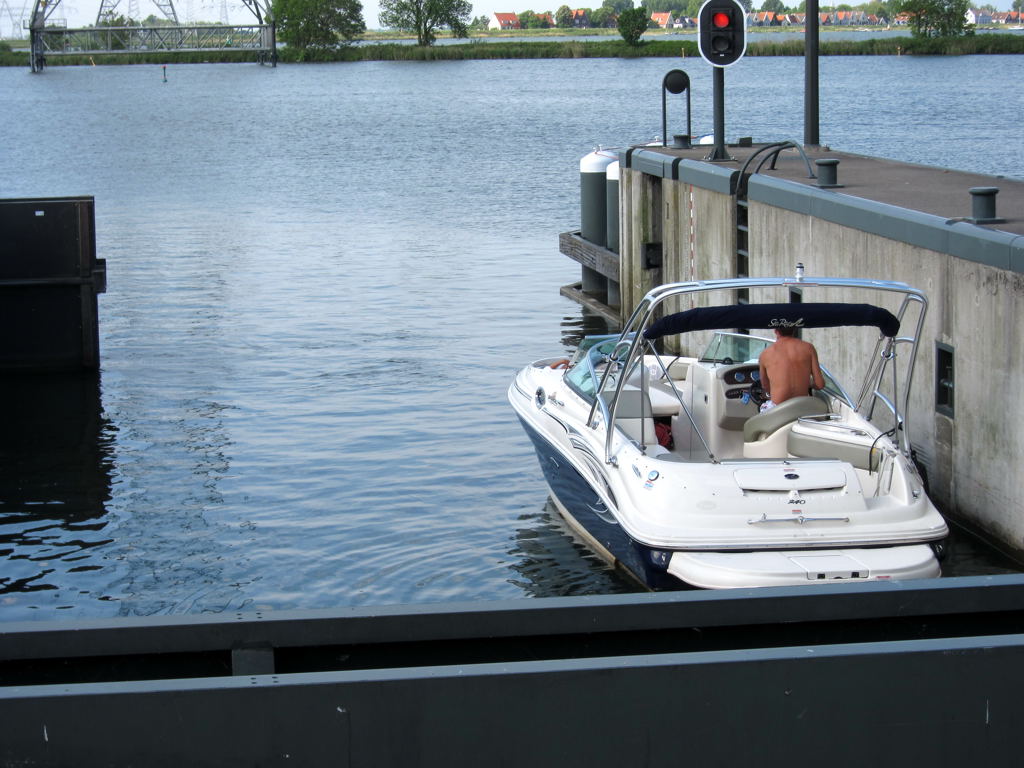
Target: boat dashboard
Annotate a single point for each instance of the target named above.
(740, 380)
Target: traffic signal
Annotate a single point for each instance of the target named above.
(723, 32)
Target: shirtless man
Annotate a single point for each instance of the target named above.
(789, 368)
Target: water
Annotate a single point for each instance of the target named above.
(321, 279)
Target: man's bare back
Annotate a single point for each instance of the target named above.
(789, 368)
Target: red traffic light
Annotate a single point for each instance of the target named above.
(722, 32)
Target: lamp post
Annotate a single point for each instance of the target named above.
(675, 81)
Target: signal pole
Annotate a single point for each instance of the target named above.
(719, 152)
(811, 74)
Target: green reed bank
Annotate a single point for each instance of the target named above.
(599, 47)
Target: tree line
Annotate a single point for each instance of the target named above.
(565, 17)
(327, 24)
(330, 24)
(925, 18)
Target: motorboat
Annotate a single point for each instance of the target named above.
(664, 463)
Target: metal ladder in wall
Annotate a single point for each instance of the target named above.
(742, 261)
(767, 154)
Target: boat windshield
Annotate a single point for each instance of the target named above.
(582, 375)
(729, 348)
(741, 348)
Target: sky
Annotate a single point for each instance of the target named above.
(80, 13)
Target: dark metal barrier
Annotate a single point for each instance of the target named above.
(855, 674)
(49, 278)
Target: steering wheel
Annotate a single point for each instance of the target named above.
(757, 394)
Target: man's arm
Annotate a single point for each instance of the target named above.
(765, 384)
(819, 379)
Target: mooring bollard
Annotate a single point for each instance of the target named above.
(828, 172)
(983, 205)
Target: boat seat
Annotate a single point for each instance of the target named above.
(634, 414)
(663, 400)
(760, 426)
(678, 369)
(859, 450)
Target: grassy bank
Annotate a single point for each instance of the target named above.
(605, 47)
(385, 35)
(898, 46)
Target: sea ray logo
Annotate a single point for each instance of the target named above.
(783, 323)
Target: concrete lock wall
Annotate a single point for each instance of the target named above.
(686, 211)
(693, 228)
(976, 310)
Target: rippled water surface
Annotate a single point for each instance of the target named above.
(321, 279)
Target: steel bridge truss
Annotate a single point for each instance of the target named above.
(105, 40)
(50, 38)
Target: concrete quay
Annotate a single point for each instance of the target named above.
(940, 192)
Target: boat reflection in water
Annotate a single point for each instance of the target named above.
(552, 562)
(663, 463)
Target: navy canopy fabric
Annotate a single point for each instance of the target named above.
(775, 316)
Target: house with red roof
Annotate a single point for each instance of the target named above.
(504, 21)
(579, 18)
(663, 20)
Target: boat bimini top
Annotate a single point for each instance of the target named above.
(648, 324)
(775, 316)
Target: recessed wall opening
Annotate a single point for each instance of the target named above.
(944, 379)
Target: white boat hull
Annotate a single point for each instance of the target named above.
(665, 466)
(793, 568)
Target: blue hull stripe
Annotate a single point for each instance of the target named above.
(576, 495)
